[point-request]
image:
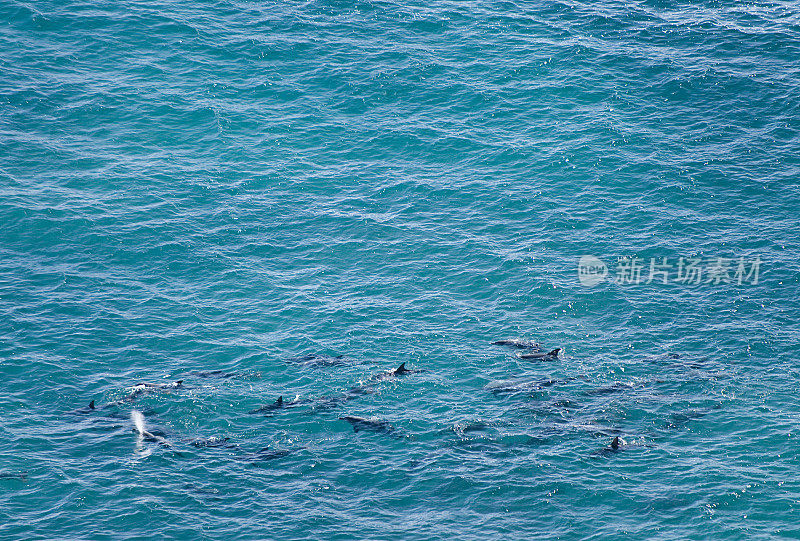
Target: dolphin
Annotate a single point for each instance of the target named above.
(222, 374)
(171, 385)
(518, 385)
(324, 403)
(613, 447)
(213, 441)
(373, 424)
(516, 343)
(362, 389)
(388, 374)
(541, 356)
(20, 476)
(313, 360)
(86, 409)
(280, 403)
(262, 455)
(107, 417)
(156, 436)
(145, 388)
(610, 389)
(144, 434)
(332, 401)
(677, 420)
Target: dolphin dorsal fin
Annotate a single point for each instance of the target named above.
(554, 353)
(615, 443)
(401, 369)
(279, 401)
(91, 405)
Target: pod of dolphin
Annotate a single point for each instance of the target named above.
(526, 351)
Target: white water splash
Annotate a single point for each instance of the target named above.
(138, 422)
(141, 450)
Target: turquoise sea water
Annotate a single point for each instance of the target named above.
(233, 185)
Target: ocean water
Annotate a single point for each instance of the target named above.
(241, 186)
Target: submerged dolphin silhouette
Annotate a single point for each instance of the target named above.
(214, 441)
(549, 356)
(222, 374)
(609, 389)
(515, 343)
(262, 455)
(373, 424)
(317, 360)
(20, 476)
(523, 384)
